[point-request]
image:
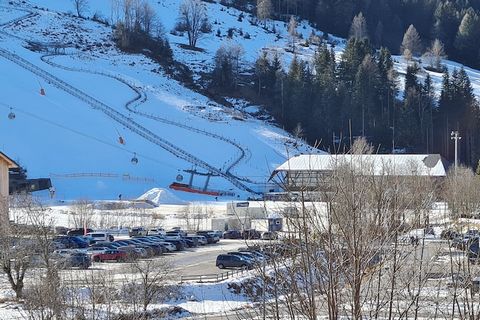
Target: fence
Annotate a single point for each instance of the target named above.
(212, 277)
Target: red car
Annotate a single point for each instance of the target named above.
(116, 255)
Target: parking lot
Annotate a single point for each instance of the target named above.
(190, 261)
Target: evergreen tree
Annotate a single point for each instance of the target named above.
(446, 23)
(366, 86)
(353, 56)
(468, 37)
(262, 72)
(411, 81)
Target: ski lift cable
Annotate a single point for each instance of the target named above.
(86, 135)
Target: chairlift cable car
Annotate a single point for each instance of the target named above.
(121, 140)
(134, 159)
(42, 90)
(11, 115)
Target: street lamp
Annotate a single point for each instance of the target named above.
(454, 135)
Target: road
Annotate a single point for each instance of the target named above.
(201, 260)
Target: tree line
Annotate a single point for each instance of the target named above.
(455, 23)
(359, 96)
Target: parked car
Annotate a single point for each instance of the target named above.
(251, 234)
(210, 235)
(232, 261)
(156, 231)
(71, 242)
(214, 234)
(94, 250)
(179, 233)
(133, 253)
(449, 234)
(269, 235)
(258, 255)
(191, 243)
(137, 232)
(179, 230)
(194, 240)
(179, 245)
(218, 233)
(78, 231)
(232, 234)
(72, 260)
(100, 236)
(473, 251)
(110, 255)
(245, 255)
(202, 240)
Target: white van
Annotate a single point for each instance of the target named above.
(100, 236)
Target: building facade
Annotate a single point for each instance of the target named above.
(5, 164)
(310, 172)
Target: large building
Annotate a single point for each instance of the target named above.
(306, 172)
(5, 164)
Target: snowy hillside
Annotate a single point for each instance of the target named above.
(96, 94)
(72, 132)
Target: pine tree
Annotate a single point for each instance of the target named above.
(411, 41)
(446, 23)
(262, 68)
(468, 37)
(411, 81)
(353, 56)
(358, 30)
(366, 85)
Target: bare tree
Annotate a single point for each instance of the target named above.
(411, 41)
(193, 20)
(80, 6)
(343, 257)
(292, 32)
(435, 54)
(82, 213)
(358, 29)
(462, 192)
(27, 242)
(264, 10)
(146, 283)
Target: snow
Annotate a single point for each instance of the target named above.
(160, 196)
(61, 136)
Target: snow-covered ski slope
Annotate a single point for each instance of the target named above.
(74, 140)
(94, 94)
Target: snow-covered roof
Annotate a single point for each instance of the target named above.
(379, 164)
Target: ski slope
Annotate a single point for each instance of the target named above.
(75, 140)
(94, 97)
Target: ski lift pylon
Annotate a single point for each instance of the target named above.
(11, 115)
(134, 159)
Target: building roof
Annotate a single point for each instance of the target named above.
(379, 164)
(10, 162)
